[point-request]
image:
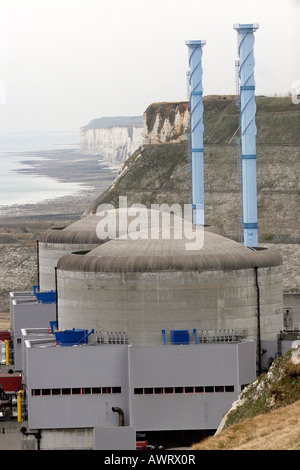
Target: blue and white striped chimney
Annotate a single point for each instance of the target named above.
(248, 131)
(197, 128)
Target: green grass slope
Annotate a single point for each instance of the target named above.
(267, 414)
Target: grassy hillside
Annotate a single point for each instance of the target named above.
(267, 414)
(153, 174)
(277, 430)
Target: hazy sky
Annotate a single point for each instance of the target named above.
(66, 62)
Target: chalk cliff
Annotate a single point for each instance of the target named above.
(166, 123)
(114, 139)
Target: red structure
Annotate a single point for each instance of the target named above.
(11, 382)
(4, 334)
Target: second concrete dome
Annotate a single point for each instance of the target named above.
(144, 287)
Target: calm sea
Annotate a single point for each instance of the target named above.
(18, 188)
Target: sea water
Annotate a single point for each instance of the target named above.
(19, 188)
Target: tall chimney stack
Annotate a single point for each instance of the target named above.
(248, 131)
(197, 128)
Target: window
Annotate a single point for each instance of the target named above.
(183, 390)
(137, 391)
(76, 391)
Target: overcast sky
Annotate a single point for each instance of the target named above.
(66, 62)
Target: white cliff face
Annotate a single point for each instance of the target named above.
(115, 144)
(116, 141)
(166, 123)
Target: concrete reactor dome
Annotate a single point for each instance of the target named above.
(144, 287)
(80, 236)
(57, 241)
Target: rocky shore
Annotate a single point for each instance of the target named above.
(65, 166)
(20, 226)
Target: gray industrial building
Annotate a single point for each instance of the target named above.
(156, 387)
(27, 311)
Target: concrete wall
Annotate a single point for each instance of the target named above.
(114, 438)
(271, 348)
(291, 310)
(143, 304)
(11, 437)
(270, 296)
(49, 254)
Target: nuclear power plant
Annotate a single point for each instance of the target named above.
(140, 340)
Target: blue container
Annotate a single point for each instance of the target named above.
(53, 326)
(71, 337)
(45, 297)
(180, 337)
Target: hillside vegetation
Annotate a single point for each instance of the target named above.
(277, 430)
(105, 122)
(267, 414)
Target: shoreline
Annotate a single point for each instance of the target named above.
(64, 166)
(67, 207)
(21, 225)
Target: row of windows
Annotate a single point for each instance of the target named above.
(168, 390)
(74, 391)
(137, 391)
